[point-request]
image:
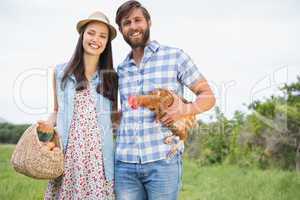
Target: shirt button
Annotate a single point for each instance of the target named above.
(136, 138)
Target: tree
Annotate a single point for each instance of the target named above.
(277, 122)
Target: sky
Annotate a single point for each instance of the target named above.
(245, 49)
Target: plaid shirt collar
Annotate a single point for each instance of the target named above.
(153, 46)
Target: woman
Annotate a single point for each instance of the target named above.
(85, 94)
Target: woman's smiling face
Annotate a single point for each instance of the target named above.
(95, 38)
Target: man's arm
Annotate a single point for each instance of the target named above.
(205, 101)
(205, 98)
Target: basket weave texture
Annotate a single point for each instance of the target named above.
(34, 159)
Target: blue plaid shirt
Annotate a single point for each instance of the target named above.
(140, 139)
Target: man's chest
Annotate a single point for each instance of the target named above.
(146, 78)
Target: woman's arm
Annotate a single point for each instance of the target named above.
(116, 117)
(53, 116)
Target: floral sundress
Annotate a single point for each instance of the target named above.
(83, 176)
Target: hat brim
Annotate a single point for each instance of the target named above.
(82, 23)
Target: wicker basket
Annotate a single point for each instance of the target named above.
(34, 159)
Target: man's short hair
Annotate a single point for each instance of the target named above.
(125, 9)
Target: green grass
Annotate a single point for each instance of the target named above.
(205, 183)
(14, 186)
(230, 182)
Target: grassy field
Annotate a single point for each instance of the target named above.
(206, 183)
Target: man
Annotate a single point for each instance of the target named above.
(143, 169)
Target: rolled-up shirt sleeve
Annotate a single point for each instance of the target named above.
(188, 72)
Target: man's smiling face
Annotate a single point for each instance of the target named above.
(135, 29)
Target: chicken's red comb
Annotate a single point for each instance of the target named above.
(132, 101)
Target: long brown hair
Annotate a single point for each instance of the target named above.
(108, 86)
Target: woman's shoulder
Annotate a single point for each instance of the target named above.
(59, 69)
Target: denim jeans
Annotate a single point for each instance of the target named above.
(159, 180)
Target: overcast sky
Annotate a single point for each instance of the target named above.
(245, 49)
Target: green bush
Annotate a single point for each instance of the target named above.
(11, 133)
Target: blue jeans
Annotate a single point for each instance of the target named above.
(159, 180)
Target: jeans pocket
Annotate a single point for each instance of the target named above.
(171, 160)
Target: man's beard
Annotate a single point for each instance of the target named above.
(142, 43)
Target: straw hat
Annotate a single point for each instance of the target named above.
(100, 17)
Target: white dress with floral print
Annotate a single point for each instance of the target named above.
(83, 176)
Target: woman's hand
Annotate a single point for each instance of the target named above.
(50, 121)
(45, 122)
(116, 120)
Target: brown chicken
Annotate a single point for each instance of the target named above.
(158, 101)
